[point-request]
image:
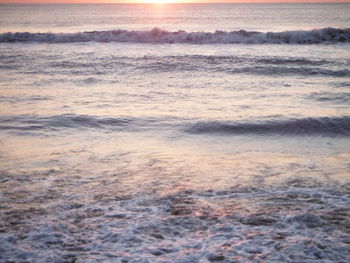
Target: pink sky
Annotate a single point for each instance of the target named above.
(182, 1)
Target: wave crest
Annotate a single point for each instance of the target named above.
(156, 35)
(325, 126)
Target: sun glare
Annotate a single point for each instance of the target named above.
(159, 1)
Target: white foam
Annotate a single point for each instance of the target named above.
(156, 35)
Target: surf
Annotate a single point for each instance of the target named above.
(160, 36)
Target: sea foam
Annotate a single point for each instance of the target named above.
(156, 35)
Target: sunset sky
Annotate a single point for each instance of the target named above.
(168, 1)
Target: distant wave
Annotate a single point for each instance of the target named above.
(325, 126)
(156, 35)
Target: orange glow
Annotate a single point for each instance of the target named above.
(160, 1)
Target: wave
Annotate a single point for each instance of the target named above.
(272, 65)
(32, 123)
(156, 35)
(338, 98)
(324, 126)
(114, 64)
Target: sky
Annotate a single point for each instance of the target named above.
(163, 1)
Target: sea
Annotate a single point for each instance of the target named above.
(185, 133)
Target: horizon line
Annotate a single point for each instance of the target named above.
(182, 3)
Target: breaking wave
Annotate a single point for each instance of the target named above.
(156, 35)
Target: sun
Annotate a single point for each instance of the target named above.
(159, 1)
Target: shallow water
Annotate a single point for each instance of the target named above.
(174, 151)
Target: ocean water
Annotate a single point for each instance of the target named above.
(175, 133)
